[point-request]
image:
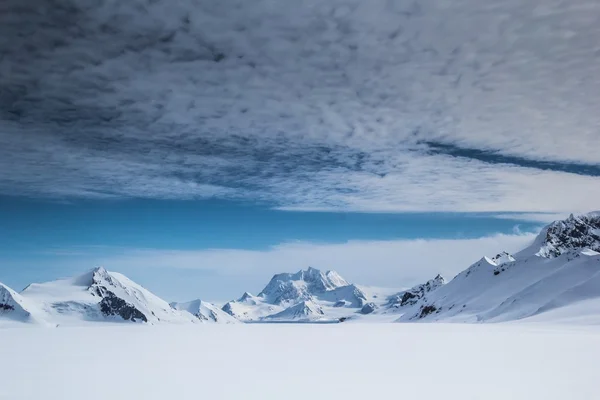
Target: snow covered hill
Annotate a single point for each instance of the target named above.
(561, 269)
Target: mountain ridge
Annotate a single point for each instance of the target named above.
(560, 269)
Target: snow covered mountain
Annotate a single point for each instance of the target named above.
(557, 277)
(286, 288)
(576, 232)
(100, 295)
(205, 312)
(307, 295)
(560, 270)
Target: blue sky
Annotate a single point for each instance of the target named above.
(46, 239)
(201, 147)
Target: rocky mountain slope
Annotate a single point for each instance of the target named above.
(561, 269)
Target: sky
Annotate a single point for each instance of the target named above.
(201, 145)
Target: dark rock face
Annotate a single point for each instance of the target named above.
(6, 307)
(573, 233)
(426, 310)
(211, 316)
(407, 297)
(368, 308)
(113, 305)
(411, 296)
(227, 308)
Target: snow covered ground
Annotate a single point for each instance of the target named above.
(301, 361)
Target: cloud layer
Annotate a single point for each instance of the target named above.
(378, 106)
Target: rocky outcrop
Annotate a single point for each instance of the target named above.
(413, 295)
(111, 305)
(573, 233)
(368, 308)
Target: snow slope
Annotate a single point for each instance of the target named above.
(558, 271)
(304, 311)
(301, 361)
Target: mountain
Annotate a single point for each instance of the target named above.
(576, 232)
(306, 295)
(205, 312)
(560, 270)
(100, 295)
(286, 288)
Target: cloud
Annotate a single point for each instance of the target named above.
(305, 104)
(223, 274)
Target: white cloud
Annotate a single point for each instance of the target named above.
(226, 273)
(306, 104)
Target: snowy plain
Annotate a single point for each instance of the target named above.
(301, 361)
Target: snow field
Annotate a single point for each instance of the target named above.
(301, 361)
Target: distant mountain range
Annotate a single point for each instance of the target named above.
(557, 277)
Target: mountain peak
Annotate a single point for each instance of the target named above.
(503, 258)
(577, 232)
(246, 296)
(302, 285)
(100, 295)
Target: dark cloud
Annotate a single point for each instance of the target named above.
(305, 103)
(495, 158)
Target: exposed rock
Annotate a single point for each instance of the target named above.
(503, 258)
(113, 305)
(411, 296)
(426, 310)
(581, 232)
(368, 308)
